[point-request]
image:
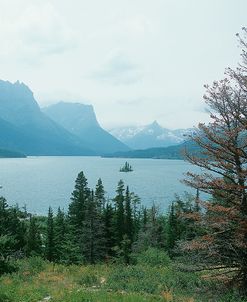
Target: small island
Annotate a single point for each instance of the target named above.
(126, 168)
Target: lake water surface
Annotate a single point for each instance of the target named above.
(40, 182)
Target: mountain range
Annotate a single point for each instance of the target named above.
(150, 136)
(26, 129)
(73, 129)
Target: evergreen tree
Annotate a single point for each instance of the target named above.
(152, 231)
(59, 235)
(33, 241)
(109, 235)
(129, 226)
(50, 241)
(119, 213)
(93, 243)
(11, 225)
(100, 194)
(172, 231)
(3, 216)
(77, 209)
(79, 198)
(9, 243)
(136, 214)
(125, 250)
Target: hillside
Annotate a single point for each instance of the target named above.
(11, 154)
(171, 152)
(148, 282)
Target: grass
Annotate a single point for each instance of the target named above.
(38, 280)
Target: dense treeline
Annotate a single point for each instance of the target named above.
(94, 229)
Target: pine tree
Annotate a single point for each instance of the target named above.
(136, 213)
(79, 198)
(59, 235)
(109, 234)
(33, 241)
(93, 241)
(129, 226)
(3, 215)
(172, 234)
(152, 231)
(77, 209)
(50, 247)
(119, 213)
(100, 194)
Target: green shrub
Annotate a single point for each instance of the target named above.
(88, 279)
(5, 298)
(153, 257)
(7, 266)
(33, 264)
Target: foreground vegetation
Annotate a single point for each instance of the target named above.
(37, 280)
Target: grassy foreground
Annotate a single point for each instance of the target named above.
(37, 280)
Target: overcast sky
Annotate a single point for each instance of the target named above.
(135, 61)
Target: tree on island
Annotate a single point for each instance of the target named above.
(126, 168)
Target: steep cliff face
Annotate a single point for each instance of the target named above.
(25, 128)
(81, 121)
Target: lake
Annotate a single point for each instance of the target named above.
(40, 182)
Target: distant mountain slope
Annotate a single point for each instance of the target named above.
(24, 128)
(11, 154)
(150, 136)
(171, 152)
(81, 121)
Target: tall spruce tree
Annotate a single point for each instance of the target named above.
(129, 224)
(12, 236)
(109, 230)
(119, 213)
(77, 209)
(59, 235)
(80, 195)
(33, 240)
(50, 248)
(100, 195)
(93, 241)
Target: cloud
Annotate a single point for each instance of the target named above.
(118, 70)
(35, 31)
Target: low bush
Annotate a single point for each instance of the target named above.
(153, 257)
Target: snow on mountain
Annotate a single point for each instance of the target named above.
(150, 136)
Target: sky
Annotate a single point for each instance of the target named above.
(135, 61)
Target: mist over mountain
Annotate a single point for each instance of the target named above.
(150, 136)
(80, 120)
(25, 128)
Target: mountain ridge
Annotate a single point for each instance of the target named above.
(61, 129)
(150, 136)
(24, 128)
